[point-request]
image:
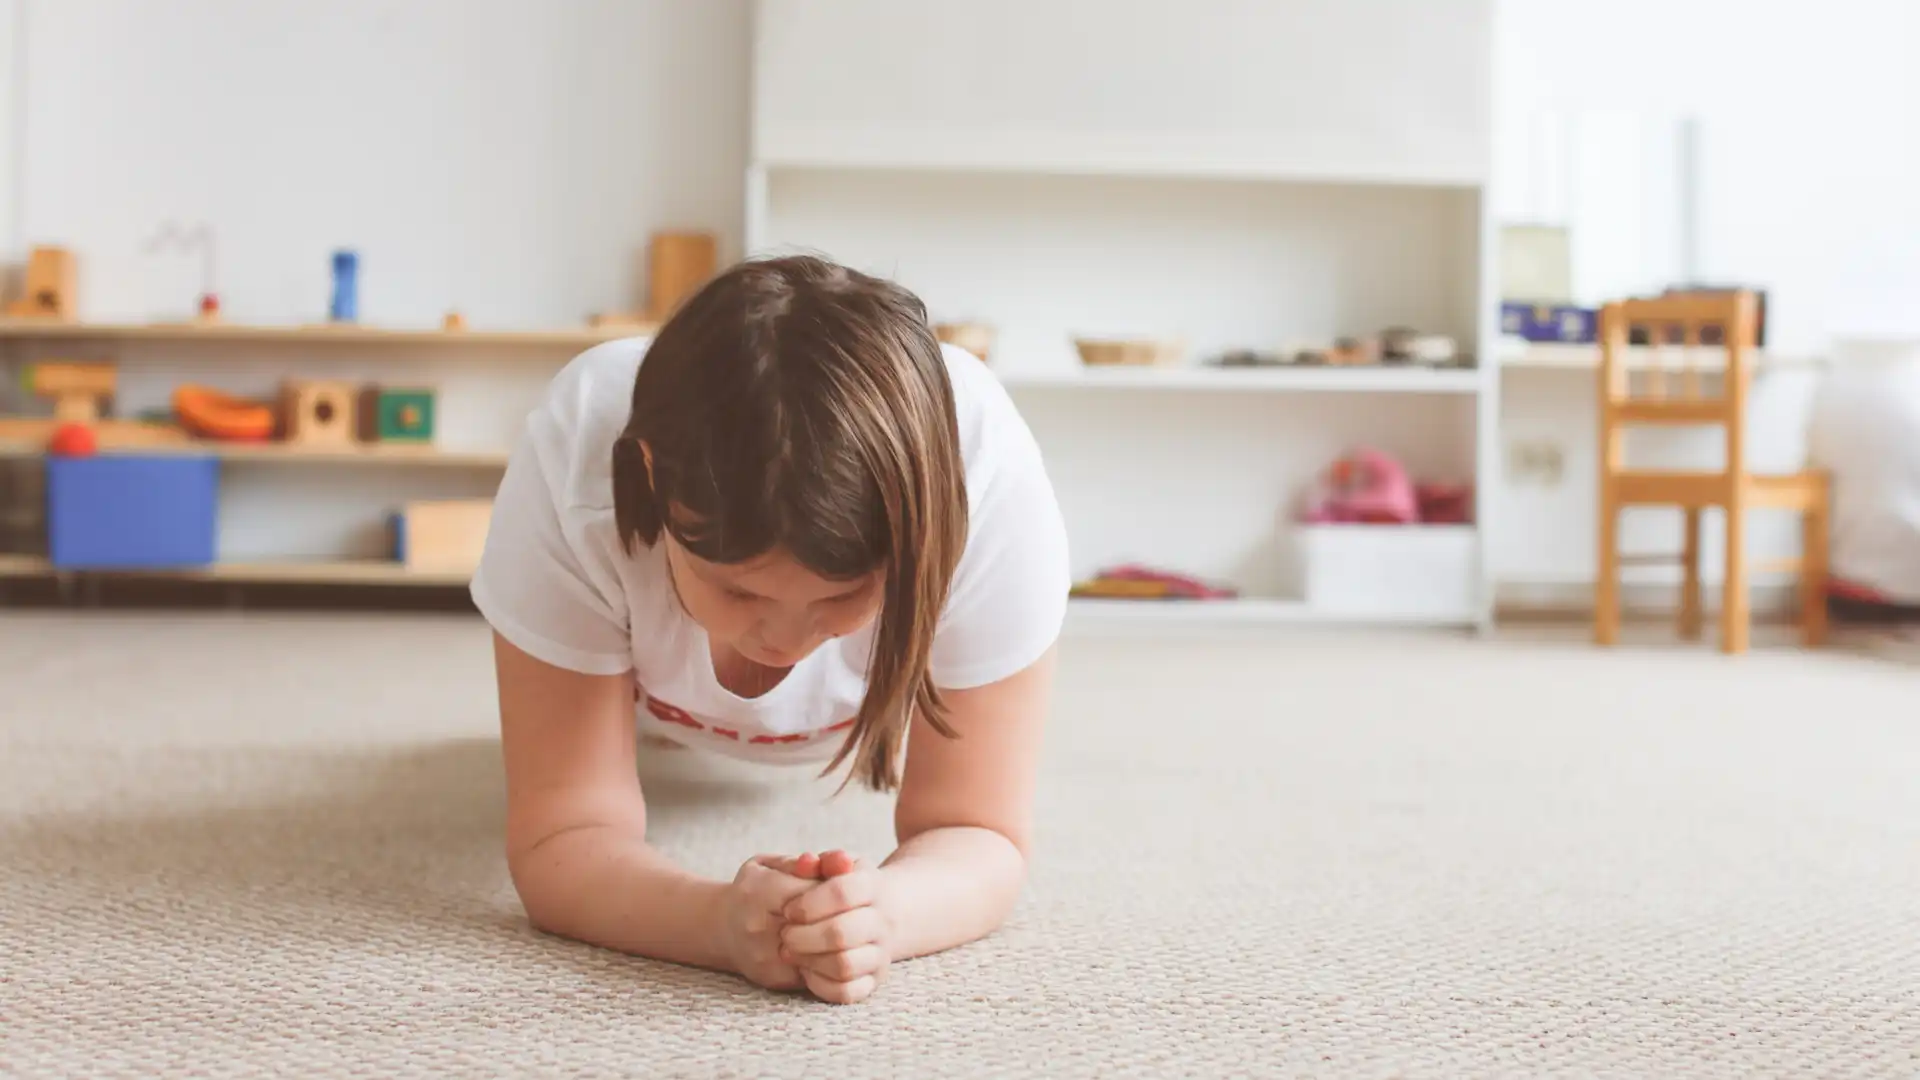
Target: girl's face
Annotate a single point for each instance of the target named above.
(771, 610)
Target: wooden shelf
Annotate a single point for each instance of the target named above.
(315, 572)
(320, 334)
(384, 454)
(1374, 379)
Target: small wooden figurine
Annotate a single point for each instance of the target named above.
(318, 413)
(396, 414)
(454, 321)
(50, 283)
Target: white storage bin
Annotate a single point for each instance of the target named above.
(1390, 571)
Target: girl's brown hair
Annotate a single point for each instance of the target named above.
(799, 405)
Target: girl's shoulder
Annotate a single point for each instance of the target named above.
(581, 416)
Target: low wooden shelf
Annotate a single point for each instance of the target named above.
(289, 572)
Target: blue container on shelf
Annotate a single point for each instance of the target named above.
(132, 512)
(345, 306)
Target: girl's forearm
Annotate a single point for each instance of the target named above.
(606, 888)
(946, 887)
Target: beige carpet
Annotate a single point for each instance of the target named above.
(242, 845)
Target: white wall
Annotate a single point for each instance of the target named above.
(1809, 122)
(504, 157)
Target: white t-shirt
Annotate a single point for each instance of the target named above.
(555, 581)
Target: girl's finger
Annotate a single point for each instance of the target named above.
(836, 863)
(841, 966)
(808, 865)
(847, 930)
(840, 993)
(835, 895)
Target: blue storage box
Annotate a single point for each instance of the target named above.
(129, 512)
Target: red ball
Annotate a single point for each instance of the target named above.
(73, 440)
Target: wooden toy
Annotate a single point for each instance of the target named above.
(77, 389)
(396, 414)
(444, 536)
(678, 264)
(1142, 353)
(79, 392)
(214, 414)
(453, 322)
(319, 413)
(976, 338)
(51, 279)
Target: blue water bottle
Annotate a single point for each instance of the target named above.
(346, 287)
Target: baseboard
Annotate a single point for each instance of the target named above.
(1524, 600)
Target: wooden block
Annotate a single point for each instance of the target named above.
(318, 413)
(678, 264)
(396, 414)
(76, 388)
(51, 280)
(442, 536)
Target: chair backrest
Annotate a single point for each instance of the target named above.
(1688, 338)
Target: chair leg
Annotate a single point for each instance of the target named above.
(1734, 614)
(1606, 583)
(1690, 613)
(1814, 525)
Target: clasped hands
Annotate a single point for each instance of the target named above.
(811, 921)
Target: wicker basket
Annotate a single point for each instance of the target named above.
(976, 338)
(1096, 353)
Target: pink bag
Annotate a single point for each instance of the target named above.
(1364, 487)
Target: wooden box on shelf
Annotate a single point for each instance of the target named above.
(441, 536)
(319, 413)
(396, 414)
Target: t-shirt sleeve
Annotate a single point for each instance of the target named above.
(542, 583)
(1009, 594)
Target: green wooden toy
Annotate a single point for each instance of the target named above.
(396, 414)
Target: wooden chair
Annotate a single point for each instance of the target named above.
(1655, 399)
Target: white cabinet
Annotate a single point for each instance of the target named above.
(1351, 90)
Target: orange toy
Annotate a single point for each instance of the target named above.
(212, 414)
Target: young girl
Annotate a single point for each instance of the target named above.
(794, 529)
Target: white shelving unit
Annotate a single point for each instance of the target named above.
(1218, 173)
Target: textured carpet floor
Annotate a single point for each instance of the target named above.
(269, 844)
